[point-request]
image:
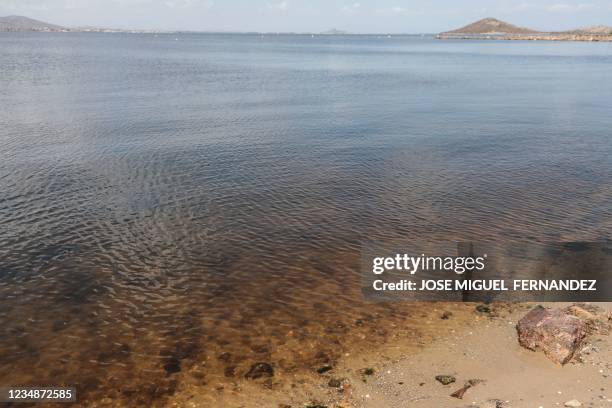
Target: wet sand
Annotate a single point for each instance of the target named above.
(488, 350)
(456, 340)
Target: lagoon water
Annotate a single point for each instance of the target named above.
(173, 199)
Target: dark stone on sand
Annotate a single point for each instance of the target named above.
(225, 356)
(324, 369)
(445, 379)
(260, 348)
(484, 309)
(557, 333)
(492, 403)
(230, 371)
(128, 392)
(461, 391)
(173, 366)
(322, 358)
(335, 383)
(446, 315)
(368, 371)
(259, 370)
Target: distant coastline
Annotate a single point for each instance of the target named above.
(485, 29)
(493, 29)
(21, 24)
(530, 37)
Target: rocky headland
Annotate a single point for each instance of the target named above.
(493, 29)
(25, 24)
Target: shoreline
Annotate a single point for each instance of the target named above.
(477, 343)
(530, 37)
(477, 37)
(487, 354)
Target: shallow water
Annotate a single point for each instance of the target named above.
(170, 199)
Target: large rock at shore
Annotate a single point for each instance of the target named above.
(259, 370)
(558, 333)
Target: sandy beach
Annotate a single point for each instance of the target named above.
(488, 350)
(478, 345)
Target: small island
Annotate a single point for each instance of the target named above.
(494, 29)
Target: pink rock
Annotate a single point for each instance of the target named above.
(555, 332)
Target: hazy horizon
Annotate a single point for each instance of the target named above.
(356, 16)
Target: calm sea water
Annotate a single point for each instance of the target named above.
(172, 199)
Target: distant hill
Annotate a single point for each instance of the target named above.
(333, 31)
(19, 23)
(491, 26)
(600, 29)
(493, 29)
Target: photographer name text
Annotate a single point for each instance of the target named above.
(489, 285)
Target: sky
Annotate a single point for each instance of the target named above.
(356, 16)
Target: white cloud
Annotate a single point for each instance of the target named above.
(570, 8)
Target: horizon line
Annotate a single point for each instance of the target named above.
(328, 32)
